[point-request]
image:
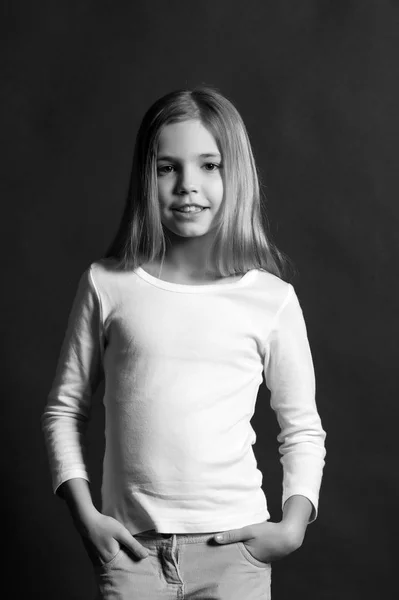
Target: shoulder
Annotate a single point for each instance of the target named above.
(275, 289)
(104, 265)
(110, 279)
(105, 269)
(268, 279)
(279, 296)
(98, 277)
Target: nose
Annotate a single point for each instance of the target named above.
(186, 183)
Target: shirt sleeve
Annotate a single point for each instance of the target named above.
(79, 371)
(289, 375)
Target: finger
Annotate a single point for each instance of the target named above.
(125, 537)
(234, 535)
(96, 556)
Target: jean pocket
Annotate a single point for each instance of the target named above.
(251, 559)
(110, 563)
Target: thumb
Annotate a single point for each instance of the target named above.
(231, 536)
(128, 540)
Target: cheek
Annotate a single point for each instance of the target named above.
(216, 190)
(162, 190)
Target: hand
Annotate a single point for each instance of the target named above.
(103, 536)
(266, 541)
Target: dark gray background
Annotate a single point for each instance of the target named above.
(317, 85)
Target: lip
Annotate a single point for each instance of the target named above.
(188, 216)
(179, 207)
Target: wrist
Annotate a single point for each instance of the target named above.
(76, 493)
(84, 519)
(296, 513)
(294, 532)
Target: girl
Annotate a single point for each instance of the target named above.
(182, 317)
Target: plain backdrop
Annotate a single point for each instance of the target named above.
(317, 85)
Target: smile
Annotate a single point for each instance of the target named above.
(191, 208)
(189, 213)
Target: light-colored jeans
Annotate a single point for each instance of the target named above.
(184, 567)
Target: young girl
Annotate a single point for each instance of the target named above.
(182, 318)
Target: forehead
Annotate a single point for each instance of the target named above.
(186, 138)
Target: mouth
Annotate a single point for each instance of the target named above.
(190, 208)
(189, 212)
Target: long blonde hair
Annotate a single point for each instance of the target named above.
(241, 240)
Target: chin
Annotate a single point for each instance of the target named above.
(186, 232)
(191, 234)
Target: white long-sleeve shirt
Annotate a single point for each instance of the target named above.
(182, 366)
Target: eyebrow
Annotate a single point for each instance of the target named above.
(204, 155)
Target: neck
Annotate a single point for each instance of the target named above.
(189, 256)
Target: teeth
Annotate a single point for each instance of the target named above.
(190, 209)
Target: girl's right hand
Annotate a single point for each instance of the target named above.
(103, 536)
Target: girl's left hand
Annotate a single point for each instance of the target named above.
(265, 541)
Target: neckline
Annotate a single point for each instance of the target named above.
(193, 289)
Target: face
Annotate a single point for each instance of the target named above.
(189, 175)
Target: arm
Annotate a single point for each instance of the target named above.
(289, 375)
(77, 495)
(296, 515)
(79, 371)
(64, 422)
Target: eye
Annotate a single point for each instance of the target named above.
(165, 169)
(212, 166)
